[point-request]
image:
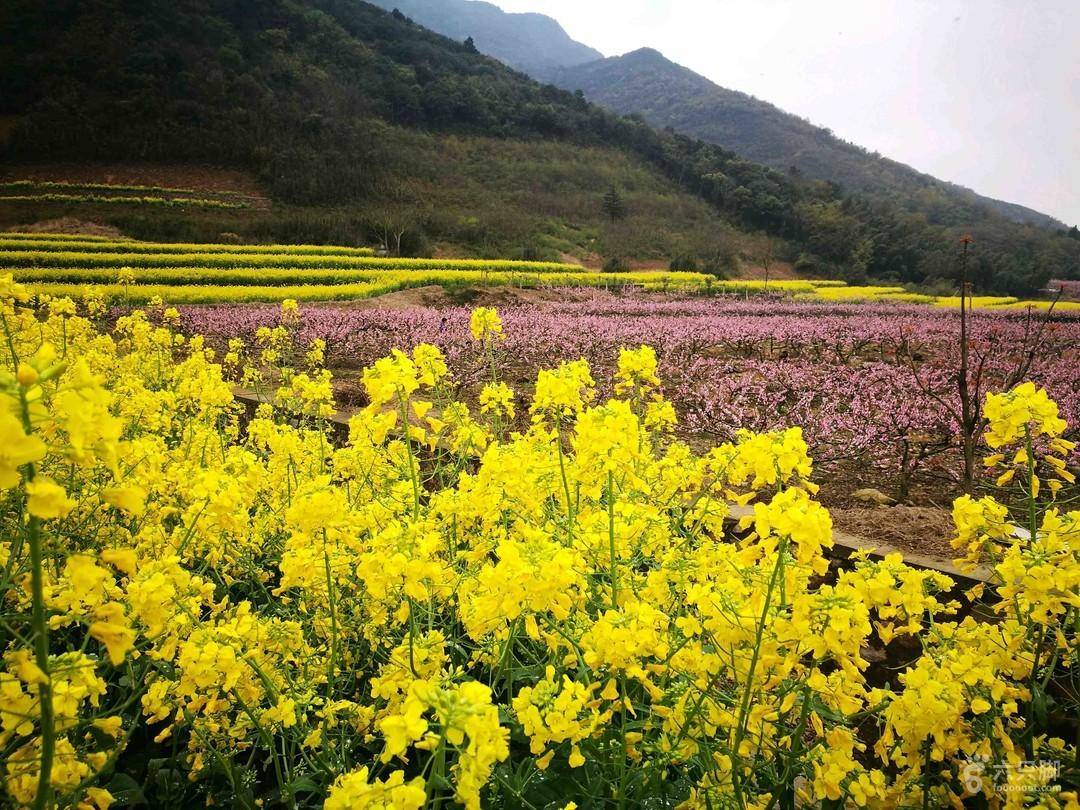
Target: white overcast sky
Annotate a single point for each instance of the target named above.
(981, 92)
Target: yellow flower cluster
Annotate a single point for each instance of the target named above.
(564, 391)
(1023, 409)
(552, 713)
(1028, 419)
(485, 323)
(435, 611)
(353, 790)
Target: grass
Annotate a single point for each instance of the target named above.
(23, 242)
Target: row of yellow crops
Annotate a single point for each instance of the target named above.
(881, 294)
(58, 185)
(172, 202)
(243, 276)
(76, 259)
(311, 272)
(27, 242)
(198, 285)
(439, 612)
(792, 286)
(375, 283)
(40, 236)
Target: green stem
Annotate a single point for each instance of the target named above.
(41, 656)
(929, 746)
(438, 772)
(611, 542)
(1032, 506)
(39, 623)
(413, 474)
(489, 346)
(622, 739)
(565, 483)
(332, 665)
(744, 709)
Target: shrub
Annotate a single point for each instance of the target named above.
(684, 262)
(616, 265)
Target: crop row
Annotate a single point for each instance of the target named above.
(20, 243)
(241, 277)
(69, 259)
(60, 185)
(40, 258)
(68, 238)
(206, 285)
(246, 287)
(899, 295)
(196, 202)
(185, 276)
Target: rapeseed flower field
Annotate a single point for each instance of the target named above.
(209, 606)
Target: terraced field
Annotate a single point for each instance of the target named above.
(195, 273)
(134, 272)
(38, 191)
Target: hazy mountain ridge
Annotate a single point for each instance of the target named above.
(531, 42)
(667, 94)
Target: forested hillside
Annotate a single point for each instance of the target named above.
(669, 95)
(337, 103)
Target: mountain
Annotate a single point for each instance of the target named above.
(351, 117)
(665, 94)
(533, 43)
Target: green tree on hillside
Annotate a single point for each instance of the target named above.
(613, 205)
(764, 254)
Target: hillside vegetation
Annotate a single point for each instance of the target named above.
(355, 119)
(669, 95)
(462, 194)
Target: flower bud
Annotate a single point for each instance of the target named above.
(26, 375)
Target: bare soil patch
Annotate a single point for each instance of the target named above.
(922, 529)
(570, 258)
